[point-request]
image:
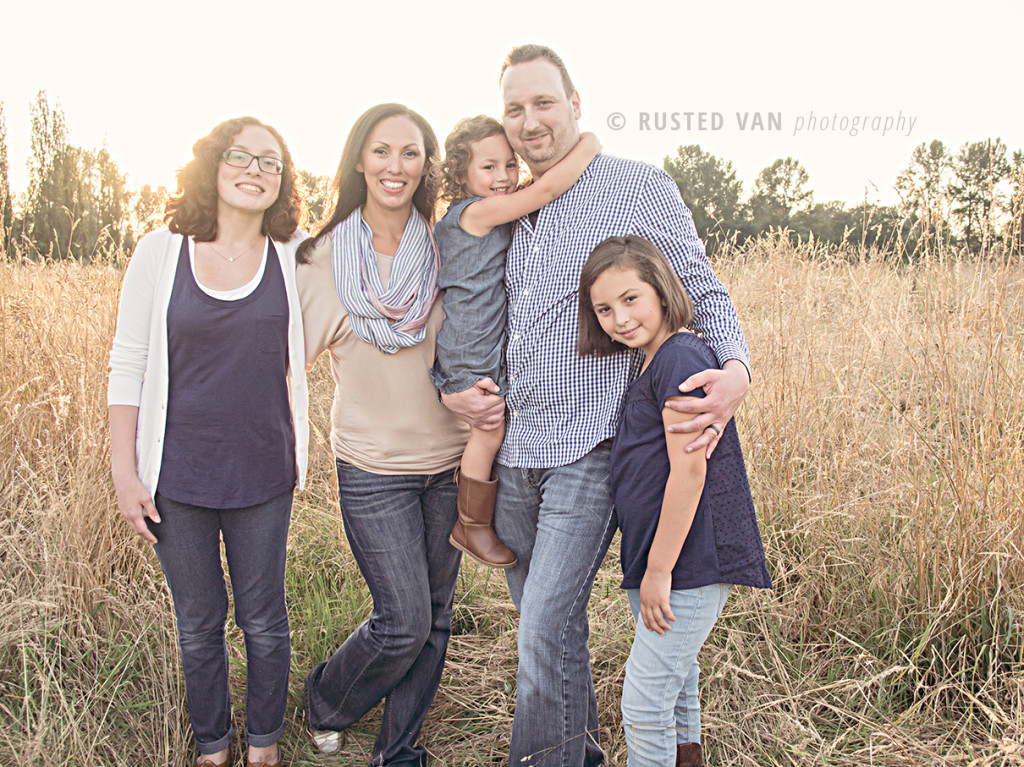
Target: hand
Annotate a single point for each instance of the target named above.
(724, 391)
(655, 610)
(477, 405)
(135, 504)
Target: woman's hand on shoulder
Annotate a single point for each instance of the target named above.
(135, 504)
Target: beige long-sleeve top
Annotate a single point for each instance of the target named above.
(386, 417)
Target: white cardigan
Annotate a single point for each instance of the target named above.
(138, 358)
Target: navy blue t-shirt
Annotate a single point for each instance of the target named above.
(724, 543)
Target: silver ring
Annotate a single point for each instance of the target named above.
(717, 430)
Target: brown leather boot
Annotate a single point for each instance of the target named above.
(689, 755)
(474, 532)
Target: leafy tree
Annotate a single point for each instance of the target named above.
(979, 169)
(922, 186)
(779, 192)
(315, 191)
(147, 212)
(104, 202)
(710, 190)
(1015, 229)
(6, 203)
(76, 197)
(825, 222)
(885, 227)
(863, 226)
(48, 222)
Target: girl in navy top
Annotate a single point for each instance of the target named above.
(689, 531)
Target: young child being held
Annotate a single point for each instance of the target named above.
(689, 531)
(479, 177)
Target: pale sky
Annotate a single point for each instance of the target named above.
(148, 80)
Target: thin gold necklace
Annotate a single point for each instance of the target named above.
(233, 258)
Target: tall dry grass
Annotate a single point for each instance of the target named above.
(884, 439)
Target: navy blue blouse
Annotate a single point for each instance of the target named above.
(724, 543)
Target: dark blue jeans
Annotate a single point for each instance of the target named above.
(398, 527)
(188, 547)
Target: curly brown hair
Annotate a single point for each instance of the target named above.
(650, 264)
(458, 153)
(349, 186)
(192, 210)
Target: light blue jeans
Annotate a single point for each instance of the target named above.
(660, 697)
(559, 523)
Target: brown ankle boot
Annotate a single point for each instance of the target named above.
(473, 532)
(689, 755)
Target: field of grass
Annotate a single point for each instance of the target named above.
(884, 435)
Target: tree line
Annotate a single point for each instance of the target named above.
(969, 200)
(78, 202)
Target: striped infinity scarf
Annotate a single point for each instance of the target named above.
(393, 318)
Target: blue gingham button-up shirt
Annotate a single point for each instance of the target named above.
(560, 405)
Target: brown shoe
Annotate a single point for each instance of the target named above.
(206, 761)
(689, 755)
(474, 532)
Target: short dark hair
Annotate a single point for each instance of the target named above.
(192, 211)
(349, 186)
(458, 153)
(530, 52)
(629, 252)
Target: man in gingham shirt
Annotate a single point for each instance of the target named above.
(554, 505)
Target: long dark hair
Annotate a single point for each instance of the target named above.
(349, 186)
(192, 210)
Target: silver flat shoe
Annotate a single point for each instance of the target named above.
(327, 741)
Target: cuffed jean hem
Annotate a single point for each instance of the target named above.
(263, 741)
(221, 743)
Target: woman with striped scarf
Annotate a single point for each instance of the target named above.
(368, 288)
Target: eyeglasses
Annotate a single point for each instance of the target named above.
(236, 158)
